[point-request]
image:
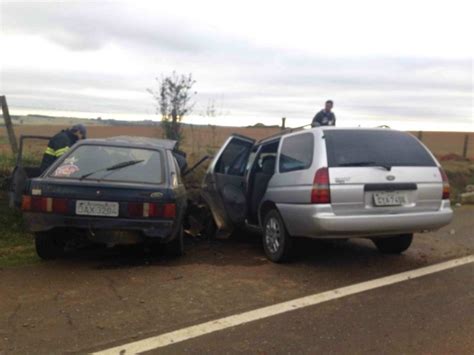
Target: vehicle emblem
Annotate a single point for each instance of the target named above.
(342, 180)
(98, 192)
(390, 177)
(156, 195)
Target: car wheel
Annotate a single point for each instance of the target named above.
(276, 240)
(48, 246)
(176, 246)
(393, 245)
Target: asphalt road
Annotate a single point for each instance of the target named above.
(98, 299)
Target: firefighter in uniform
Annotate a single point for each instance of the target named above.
(60, 144)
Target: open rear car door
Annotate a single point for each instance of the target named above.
(26, 169)
(223, 186)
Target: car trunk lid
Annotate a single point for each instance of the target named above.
(381, 171)
(372, 190)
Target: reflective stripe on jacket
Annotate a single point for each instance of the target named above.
(56, 153)
(57, 146)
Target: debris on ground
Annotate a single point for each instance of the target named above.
(467, 198)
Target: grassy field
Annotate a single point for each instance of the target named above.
(200, 140)
(16, 244)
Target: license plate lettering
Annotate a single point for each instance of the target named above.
(97, 208)
(389, 199)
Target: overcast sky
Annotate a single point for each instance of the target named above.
(407, 64)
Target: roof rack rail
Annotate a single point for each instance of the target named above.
(285, 131)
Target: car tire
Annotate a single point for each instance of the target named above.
(175, 248)
(393, 245)
(277, 243)
(48, 246)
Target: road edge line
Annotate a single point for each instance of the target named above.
(198, 330)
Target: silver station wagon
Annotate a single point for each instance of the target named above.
(328, 183)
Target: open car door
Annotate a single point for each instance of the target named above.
(26, 169)
(223, 186)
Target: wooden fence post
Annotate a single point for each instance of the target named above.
(283, 120)
(466, 143)
(9, 125)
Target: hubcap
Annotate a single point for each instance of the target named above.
(273, 235)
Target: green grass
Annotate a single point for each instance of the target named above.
(16, 244)
(7, 163)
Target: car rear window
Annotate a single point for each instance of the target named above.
(94, 162)
(374, 147)
(297, 152)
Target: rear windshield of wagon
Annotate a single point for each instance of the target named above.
(94, 162)
(374, 147)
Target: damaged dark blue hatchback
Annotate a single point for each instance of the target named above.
(120, 190)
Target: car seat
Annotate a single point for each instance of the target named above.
(260, 183)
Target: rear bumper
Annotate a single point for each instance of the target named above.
(161, 229)
(319, 221)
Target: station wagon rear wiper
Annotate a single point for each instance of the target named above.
(367, 163)
(117, 166)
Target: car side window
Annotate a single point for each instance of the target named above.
(296, 152)
(233, 160)
(178, 171)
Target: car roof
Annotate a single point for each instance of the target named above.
(132, 141)
(312, 129)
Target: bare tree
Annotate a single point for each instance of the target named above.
(211, 109)
(173, 101)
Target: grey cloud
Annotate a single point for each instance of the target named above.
(49, 99)
(242, 77)
(79, 27)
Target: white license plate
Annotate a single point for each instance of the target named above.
(389, 199)
(97, 208)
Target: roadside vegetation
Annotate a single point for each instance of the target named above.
(460, 174)
(16, 244)
(173, 101)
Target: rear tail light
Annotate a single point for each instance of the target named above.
(26, 203)
(169, 210)
(446, 187)
(152, 210)
(135, 209)
(60, 205)
(320, 192)
(44, 204)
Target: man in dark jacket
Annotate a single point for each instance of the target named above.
(60, 144)
(325, 117)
